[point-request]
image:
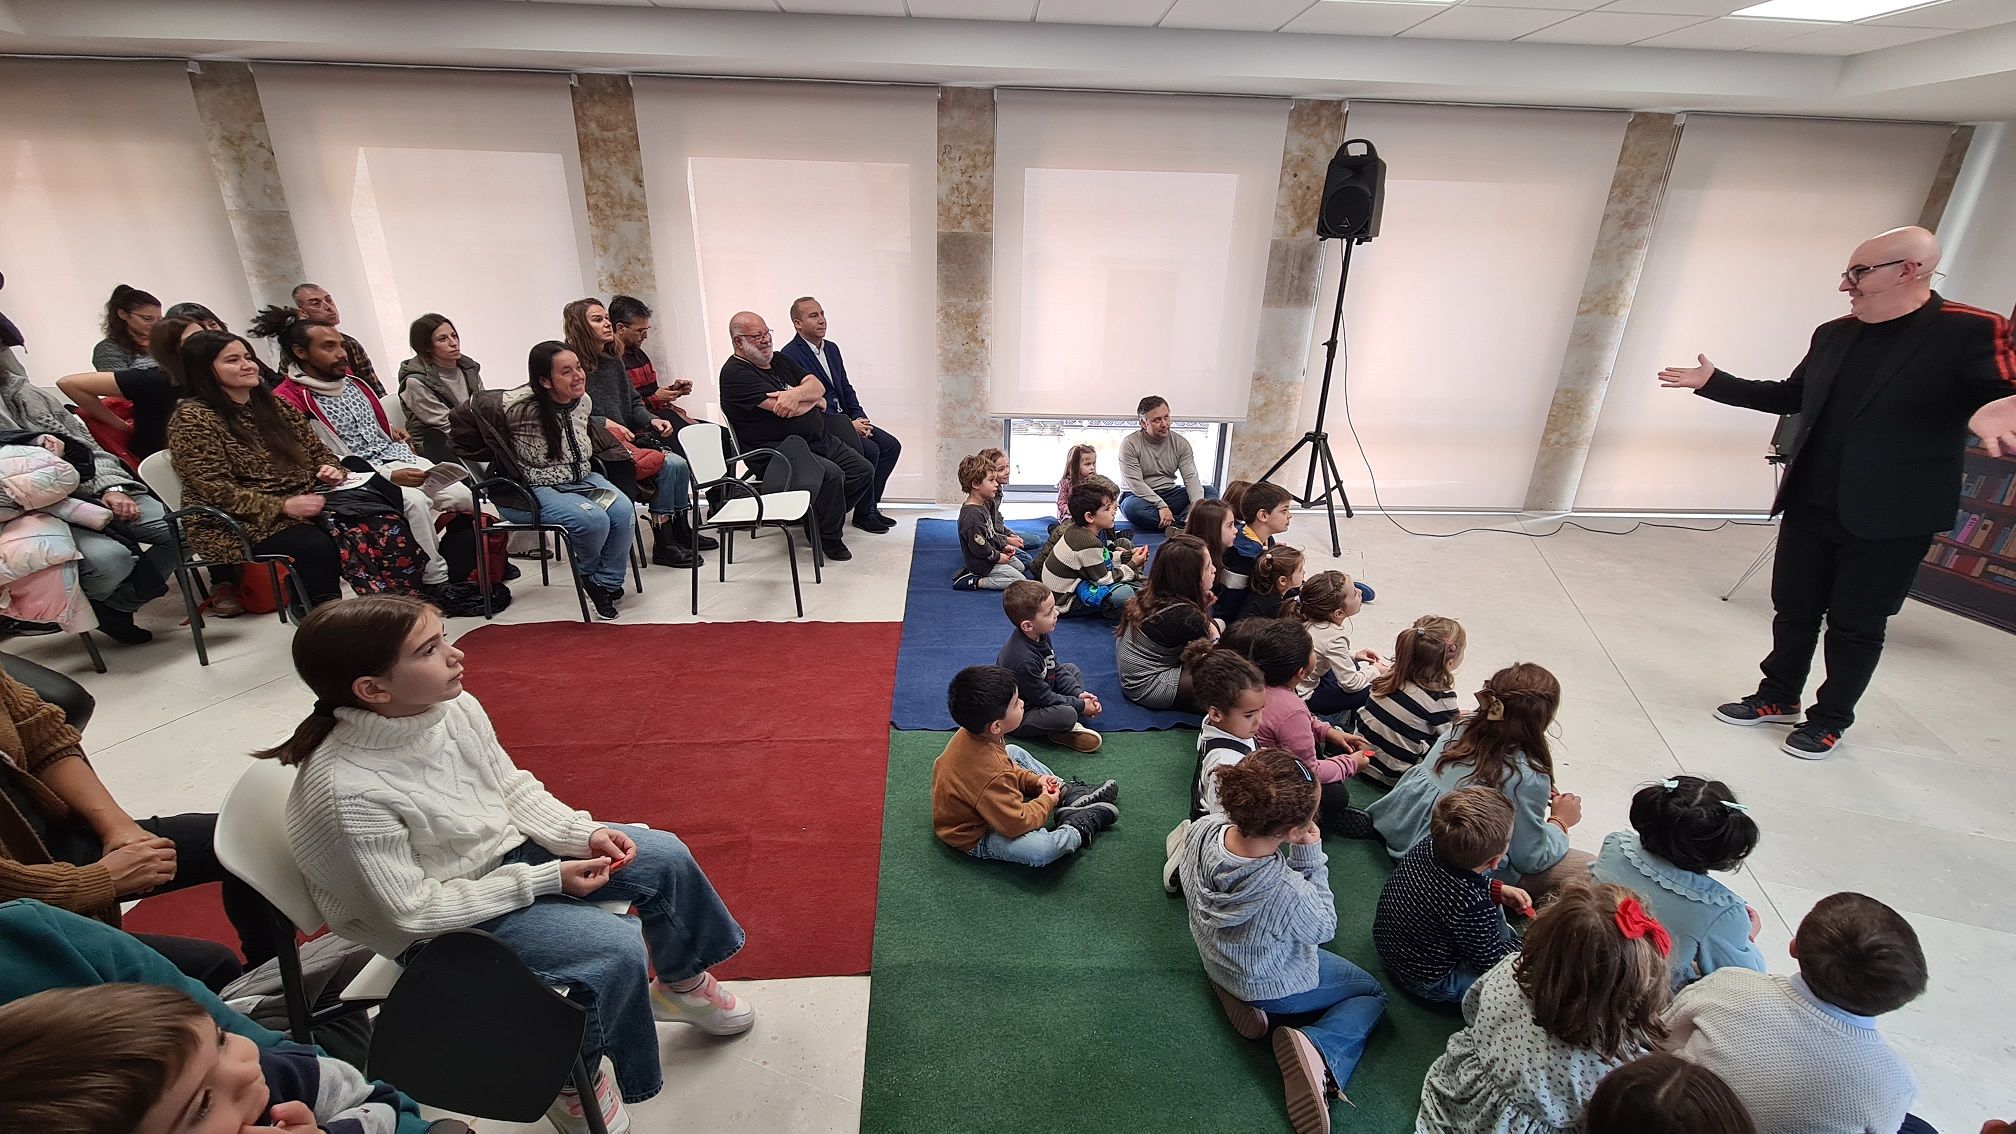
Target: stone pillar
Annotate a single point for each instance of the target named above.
(1941, 191)
(612, 181)
(1288, 311)
(1643, 164)
(248, 177)
(965, 280)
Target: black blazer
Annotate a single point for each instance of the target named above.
(1905, 443)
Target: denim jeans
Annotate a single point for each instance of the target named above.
(600, 539)
(1040, 847)
(1351, 1001)
(1116, 601)
(601, 958)
(675, 486)
(1145, 518)
(1450, 989)
(105, 564)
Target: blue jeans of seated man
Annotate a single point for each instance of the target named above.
(1351, 1001)
(106, 564)
(601, 957)
(1450, 989)
(675, 486)
(600, 538)
(1040, 847)
(1143, 515)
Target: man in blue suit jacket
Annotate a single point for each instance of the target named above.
(821, 359)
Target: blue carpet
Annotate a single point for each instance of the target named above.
(945, 631)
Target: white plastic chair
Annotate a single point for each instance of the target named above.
(157, 470)
(746, 507)
(252, 844)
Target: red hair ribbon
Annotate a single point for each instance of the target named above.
(1633, 922)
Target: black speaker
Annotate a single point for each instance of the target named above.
(1352, 192)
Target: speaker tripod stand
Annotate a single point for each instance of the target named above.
(1321, 461)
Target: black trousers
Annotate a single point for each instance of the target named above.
(881, 450)
(316, 561)
(1823, 571)
(196, 864)
(844, 481)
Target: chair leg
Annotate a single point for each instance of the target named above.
(546, 561)
(727, 552)
(637, 554)
(280, 604)
(194, 610)
(91, 647)
(580, 585)
(695, 529)
(591, 1107)
(483, 571)
(791, 555)
(818, 551)
(293, 990)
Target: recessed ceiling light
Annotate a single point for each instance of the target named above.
(1831, 11)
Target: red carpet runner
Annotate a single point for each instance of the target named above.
(763, 745)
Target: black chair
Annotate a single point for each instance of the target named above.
(470, 1029)
(59, 689)
(158, 471)
(490, 487)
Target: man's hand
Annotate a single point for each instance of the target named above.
(1995, 424)
(289, 1117)
(122, 505)
(1164, 516)
(613, 845)
(679, 387)
(581, 877)
(407, 478)
(399, 435)
(863, 426)
(661, 427)
(1687, 377)
(1306, 835)
(621, 433)
(141, 866)
(1091, 703)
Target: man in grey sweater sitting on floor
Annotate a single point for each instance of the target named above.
(1151, 460)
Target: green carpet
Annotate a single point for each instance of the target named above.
(1006, 998)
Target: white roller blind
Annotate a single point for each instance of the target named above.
(417, 191)
(1130, 250)
(1458, 313)
(1760, 217)
(105, 179)
(764, 192)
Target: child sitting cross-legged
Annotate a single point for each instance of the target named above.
(1683, 828)
(986, 559)
(1161, 621)
(1413, 701)
(1087, 576)
(1276, 579)
(1545, 1025)
(1257, 887)
(1055, 703)
(1439, 925)
(1803, 1052)
(146, 1059)
(1233, 695)
(1283, 652)
(992, 800)
(1340, 680)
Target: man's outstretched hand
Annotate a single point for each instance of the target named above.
(1995, 424)
(1687, 377)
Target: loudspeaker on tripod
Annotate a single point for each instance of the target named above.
(1353, 192)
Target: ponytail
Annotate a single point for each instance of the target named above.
(1423, 654)
(308, 736)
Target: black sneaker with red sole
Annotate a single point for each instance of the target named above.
(1756, 710)
(1812, 742)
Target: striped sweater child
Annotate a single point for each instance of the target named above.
(1402, 726)
(1078, 556)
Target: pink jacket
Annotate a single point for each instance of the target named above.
(38, 554)
(1287, 723)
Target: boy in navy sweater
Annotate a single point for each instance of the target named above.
(1055, 701)
(1439, 925)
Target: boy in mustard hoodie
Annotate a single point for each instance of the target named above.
(992, 800)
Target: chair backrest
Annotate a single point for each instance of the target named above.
(158, 470)
(705, 452)
(470, 1029)
(252, 841)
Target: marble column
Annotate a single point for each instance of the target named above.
(1941, 191)
(1643, 164)
(612, 180)
(248, 177)
(1288, 311)
(965, 280)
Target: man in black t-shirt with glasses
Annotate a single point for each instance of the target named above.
(768, 398)
(1883, 397)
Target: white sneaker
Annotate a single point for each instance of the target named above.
(1172, 859)
(707, 1006)
(566, 1113)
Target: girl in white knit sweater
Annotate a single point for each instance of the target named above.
(408, 820)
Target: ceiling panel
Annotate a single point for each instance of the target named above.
(1233, 15)
(1015, 10)
(846, 7)
(1609, 28)
(1121, 13)
(1670, 7)
(1362, 18)
(1954, 14)
(1731, 34)
(1853, 39)
(738, 5)
(1500, 24)
(1577, 5)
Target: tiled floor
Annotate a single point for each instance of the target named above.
(1913, 809)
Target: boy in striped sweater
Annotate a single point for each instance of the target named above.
(1084, 574)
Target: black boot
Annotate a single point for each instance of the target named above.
(668, 550)
(684, 529)
(118, 625)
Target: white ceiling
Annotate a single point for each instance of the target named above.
(1698, 24)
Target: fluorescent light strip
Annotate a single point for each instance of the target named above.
(1830, 11)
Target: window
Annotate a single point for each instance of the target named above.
(1036, 447)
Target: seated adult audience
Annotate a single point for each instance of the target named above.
(243, 451)
(129, 320)
(352, 423)
(538, 436)
(633, 325)
(152, 390)
(313, 301)
(767, 398)
(820, 357)
(64, 840)
(1151, 459)
(645, 436)
(436, 379)
(207, 320)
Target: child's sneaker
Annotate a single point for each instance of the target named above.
(967, 581)
(1079, 738)
(1078, 793)
(1303, 1079)
(566, 1113)
(1172, 846)
(1089, 820)
(1247, 1020)
(707, 1006)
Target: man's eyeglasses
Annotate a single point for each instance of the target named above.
(1855, 274)
(762, 337)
